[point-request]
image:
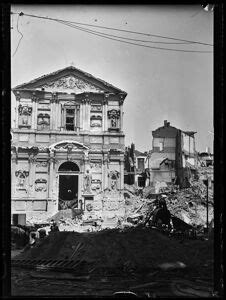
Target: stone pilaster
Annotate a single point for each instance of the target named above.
(121, 115)
(105, 173)
(121, 174)
(88, 114)
(105, 117)
(35, 111)
(58, 115)
(31, 179)
(16, 112)
(62, 117)
(51, 178)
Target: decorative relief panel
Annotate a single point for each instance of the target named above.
(96, 108)
(21, 175)
(96, 166)
(25, 112)
(41, 167)
(96, 121)
(41, 164)
(96, 185)
(43, 122)
(113, 116)
(40, 185)
(114, 180)
(71, 83)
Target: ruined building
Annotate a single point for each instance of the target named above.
(136, 166)
(173, 157)
(67, 145)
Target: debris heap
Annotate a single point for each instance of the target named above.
(113, 250)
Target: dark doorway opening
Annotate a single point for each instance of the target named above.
(68, 191)
(19, 219)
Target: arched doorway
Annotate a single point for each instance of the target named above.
(68, 185)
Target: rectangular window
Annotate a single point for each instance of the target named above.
(70, 119)
(140, 162)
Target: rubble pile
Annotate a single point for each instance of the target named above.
(205, 171)
(131, 250)
(189, 204)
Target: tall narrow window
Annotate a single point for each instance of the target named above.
(70, 119)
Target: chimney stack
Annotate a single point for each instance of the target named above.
(165, 123)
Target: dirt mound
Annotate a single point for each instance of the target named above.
(132, 249)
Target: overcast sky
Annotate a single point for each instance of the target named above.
(161, 85)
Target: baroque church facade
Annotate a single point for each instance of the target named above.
(67, 145)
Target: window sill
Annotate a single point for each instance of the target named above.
(113, 129)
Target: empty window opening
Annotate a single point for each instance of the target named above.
(70, 119)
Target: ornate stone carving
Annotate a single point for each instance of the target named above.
(54, 97)
(95, 165)
(114, 177)
(96, 121)
(34, 97)
(96, 185)
(24, 110)
(71, 83)
(43, 121)
(40, 185)
(21, 174)
(114, 115)
(42, 149)
(41, 164)
(96, 108)
(68, 145)
(87, 182)
(18, 96)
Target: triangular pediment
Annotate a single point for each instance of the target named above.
(70, 80)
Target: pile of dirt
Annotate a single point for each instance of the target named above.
(131, 250)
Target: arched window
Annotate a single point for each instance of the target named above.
(68, 166)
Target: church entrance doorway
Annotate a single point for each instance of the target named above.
(68, 185)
